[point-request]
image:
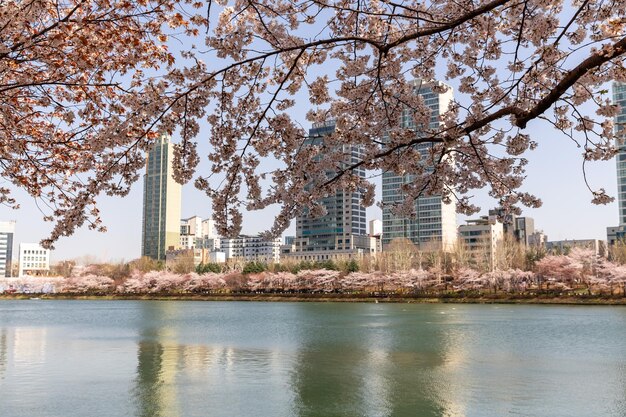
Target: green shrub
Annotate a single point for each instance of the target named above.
(209, 267)
(254, 267)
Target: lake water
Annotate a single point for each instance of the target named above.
(167, 358)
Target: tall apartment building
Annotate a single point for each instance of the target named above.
(343, 229)
(161, 202)
(7, 230)
(434, 225)
(618, 233)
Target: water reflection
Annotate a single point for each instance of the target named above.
(4, 352)
(311, 360)
(380, 362)
(156, 391)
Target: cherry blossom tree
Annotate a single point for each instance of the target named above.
(87, 86)
(87, 284)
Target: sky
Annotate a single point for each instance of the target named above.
(554, 174)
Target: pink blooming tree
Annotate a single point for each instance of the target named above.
(209, 282)
(87, 284)
(555, 268)
(87, 86)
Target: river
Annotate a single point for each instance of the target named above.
(169, 358)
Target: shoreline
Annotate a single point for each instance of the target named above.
(333, 298)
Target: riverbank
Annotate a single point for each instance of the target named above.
(345, 298)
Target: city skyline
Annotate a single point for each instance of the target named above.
(558, 181)
(559, 217)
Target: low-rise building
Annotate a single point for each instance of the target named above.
(214, 257)
(519, 228)
(564, 246)
(33, 260)
(355, 246)
(481, 238)
(615, 234)
(325, 255)
(196, 233)
(252, 248)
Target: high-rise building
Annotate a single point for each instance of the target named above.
(161, 202)
(7, 230)
(618, 233)
(619, 97)
(343, 229)
(434, 225)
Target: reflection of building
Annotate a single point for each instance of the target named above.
(4, 355)
(161, 202)
(342, 229)
(434, 224)
(33, 260)
(618, 233)
(157, 366)
(563, 246)
(7, 230)
(481, 238)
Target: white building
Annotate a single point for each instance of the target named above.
(376, 235)
(196, 233)
(208, 229)
(7, 231)
(481, 238)
(252, 248)
(190, 230)
(33, 260)
(216, 257)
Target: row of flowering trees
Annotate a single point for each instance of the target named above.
(579, 272)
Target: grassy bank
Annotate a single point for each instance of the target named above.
(350, 298)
